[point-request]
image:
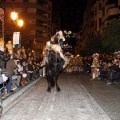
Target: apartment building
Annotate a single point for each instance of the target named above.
(98, 14)
(37, 21)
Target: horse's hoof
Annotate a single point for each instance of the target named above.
(48, 90)
(58, 89)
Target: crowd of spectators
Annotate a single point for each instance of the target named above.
(18, 69)
(109, 67)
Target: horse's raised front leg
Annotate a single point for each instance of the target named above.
(56, 82)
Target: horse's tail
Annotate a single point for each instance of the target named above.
(52, 81)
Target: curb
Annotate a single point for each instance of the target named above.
(14, 98)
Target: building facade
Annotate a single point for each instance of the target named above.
(98, 14)
(36, 15)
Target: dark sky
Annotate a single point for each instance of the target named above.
(71, 12)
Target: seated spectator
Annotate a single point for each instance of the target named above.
(36, 69)
(25, 70)
(30, 69)
(16, 78)
(104, 70)
(22, 74)
(112, 71)
(118, 72)
(40, 69)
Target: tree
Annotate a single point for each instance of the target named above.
(111, 36)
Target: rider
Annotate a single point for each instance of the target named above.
(55, 44)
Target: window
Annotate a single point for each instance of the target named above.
(31, 10)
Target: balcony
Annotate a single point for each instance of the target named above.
(111, 13)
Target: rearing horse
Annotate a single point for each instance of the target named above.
(53, 69)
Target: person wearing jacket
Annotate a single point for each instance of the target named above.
(10, 67)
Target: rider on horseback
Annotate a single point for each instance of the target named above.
(56, 45)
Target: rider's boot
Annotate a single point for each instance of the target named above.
(66, 62)
(65, 59)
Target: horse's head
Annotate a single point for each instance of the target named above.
(59, 38)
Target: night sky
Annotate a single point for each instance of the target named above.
(71, 12)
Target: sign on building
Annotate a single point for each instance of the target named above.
(16, 40)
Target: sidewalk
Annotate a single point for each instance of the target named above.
(15, 97)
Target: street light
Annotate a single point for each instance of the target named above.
(20, 23)
(14, 16)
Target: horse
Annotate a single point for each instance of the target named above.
(53, 70)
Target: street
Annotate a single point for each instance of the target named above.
(79, 99)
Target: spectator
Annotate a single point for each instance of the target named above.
(25, 69)
(3, 59)
(40, 69)
(104, 70)
(112, 72)
(118, 73)
(16, 78)
(10, 66)
(30, 69)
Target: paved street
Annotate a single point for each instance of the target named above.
(79, 99)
